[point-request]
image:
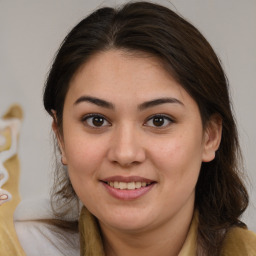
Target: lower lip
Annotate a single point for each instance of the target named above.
(127, 194)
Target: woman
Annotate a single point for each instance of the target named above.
(142, 117)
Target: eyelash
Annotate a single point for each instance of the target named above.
(160, 116)
(86, 118)
(90, 117)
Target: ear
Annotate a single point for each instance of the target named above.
(212, 138)
(59, 137)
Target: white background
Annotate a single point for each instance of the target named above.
(30, 34)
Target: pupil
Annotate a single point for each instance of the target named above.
(98, 121)
(158, 121)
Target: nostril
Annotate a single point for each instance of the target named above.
(126, 164)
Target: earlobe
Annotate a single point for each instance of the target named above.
(59, 138)
(212, 138)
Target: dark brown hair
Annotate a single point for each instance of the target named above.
(145, 27)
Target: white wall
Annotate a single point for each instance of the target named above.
(31, 31)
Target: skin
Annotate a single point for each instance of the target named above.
(128, 143)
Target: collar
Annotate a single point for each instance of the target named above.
(189, 247)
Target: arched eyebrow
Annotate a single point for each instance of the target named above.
(156, 102)
(96, 101)
(143, 106)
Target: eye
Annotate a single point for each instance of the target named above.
(95, 121)
(159, 121)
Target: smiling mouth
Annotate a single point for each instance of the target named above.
(128, 185)
(128, 188)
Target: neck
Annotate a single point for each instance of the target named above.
(166, 239)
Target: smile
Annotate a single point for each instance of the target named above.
(128, 185)
(127, 188)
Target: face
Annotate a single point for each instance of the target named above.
(133, 142)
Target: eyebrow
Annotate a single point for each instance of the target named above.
(143, 106)
(96, 101)
(156, 102)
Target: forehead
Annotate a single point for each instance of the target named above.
(116, 72)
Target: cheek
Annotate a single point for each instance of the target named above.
(84, 157)
(178, 157)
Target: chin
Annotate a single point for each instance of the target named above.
(127, 222)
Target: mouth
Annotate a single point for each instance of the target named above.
(128, 185)
(128, 188)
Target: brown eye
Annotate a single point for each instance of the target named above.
(95, 121)
(159, 121)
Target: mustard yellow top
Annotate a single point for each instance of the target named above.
(238, 241)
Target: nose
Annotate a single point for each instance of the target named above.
(126, 147)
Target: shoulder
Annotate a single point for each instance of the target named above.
(37, 237)
(239, 241)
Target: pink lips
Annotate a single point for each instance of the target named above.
(127, 179)
(126, 194)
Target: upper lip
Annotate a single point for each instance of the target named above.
(127, 179)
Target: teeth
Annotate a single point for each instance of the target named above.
(127, 185)
(122, 185)
(131, 185)
(116, 184)
(137, 184)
